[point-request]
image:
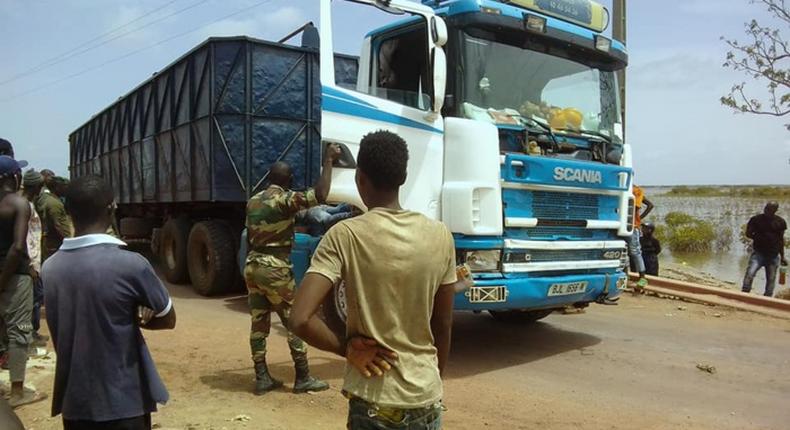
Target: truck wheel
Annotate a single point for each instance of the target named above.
(335, 309)
(212, 258)
(138, 228)
(173, 249)
(519, 316)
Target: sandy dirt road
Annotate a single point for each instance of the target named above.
(616, 367)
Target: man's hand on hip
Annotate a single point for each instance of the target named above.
(370, 359)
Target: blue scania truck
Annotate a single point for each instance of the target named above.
(512, 115)
(510, 109)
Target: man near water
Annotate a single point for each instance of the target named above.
(399, 270)
(268, 271)
(767, 231)
(634, 242)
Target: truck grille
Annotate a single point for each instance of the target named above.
(541, 232)
(565, 206)
(565, 255)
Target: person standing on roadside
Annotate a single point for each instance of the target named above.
(268, 272)
(651, 247)
(634, 242)
(55, 222)
(16, 285)
(400, 272)
(98, 297)
(32, 183)
(767, 231)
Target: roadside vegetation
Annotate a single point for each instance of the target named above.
(741, 191)
(682, 232)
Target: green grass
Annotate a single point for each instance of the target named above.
(685, 233)
(732, 191)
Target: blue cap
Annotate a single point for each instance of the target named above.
(10, 167)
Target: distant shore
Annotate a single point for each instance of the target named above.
(759, 191)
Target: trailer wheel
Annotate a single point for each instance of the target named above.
(519, 316)
(335, 309)
(212, 258)
(173, 249)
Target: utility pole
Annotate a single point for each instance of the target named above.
(619, 33)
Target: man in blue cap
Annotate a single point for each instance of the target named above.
(16, 285)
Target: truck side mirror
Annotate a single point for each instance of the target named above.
(439, 62)
(438, 31)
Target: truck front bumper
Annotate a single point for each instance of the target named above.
(521, 292)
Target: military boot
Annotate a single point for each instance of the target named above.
(264, 381)
(304, 382)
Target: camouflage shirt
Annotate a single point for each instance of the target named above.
(270, 219)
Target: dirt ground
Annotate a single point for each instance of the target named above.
(610, 367)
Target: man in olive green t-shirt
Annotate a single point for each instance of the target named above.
(399, 270)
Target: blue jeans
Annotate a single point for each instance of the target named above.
(365, 416)
(320, 218)
(756, 262)
(635, 252)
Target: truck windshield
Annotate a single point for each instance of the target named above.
(507, 84)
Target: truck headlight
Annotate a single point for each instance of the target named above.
(483, 260)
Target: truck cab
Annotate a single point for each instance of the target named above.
(512, 115)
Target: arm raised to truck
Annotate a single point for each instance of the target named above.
(331, 154)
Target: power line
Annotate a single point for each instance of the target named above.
(64, 54)
(71, 54)
(129, 54)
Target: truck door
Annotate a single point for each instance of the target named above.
(400, 88)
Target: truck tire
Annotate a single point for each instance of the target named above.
(138, 228)
(334, 309)
(173, 250)
(519, 316)
(212, 258)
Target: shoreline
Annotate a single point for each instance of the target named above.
(684, 272)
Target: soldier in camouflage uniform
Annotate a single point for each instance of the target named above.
(268, 272)
(55, 222)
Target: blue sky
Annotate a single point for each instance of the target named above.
(680, 133)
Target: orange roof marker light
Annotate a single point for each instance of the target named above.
(585, 13)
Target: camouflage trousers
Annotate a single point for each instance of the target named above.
(270, 288)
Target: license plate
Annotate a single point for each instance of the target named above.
(567, 288)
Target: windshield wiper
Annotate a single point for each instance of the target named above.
(554, 144)
(605, 137)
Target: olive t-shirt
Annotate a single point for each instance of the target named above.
(393, 262)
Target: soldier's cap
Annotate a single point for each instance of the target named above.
(60, 180)
(10, 167)
(32, 178)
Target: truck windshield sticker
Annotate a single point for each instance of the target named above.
(577, 10)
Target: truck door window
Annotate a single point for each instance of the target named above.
(401, 68)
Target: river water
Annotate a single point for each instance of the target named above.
(733, 212)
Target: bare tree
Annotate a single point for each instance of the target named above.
(765, 57)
